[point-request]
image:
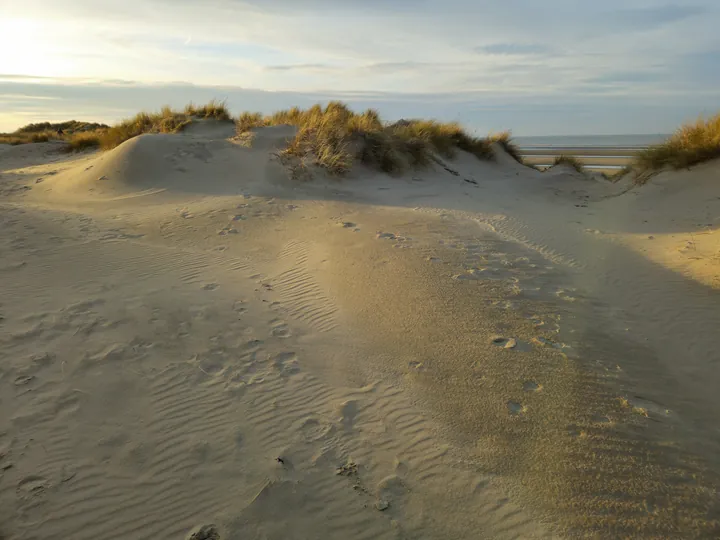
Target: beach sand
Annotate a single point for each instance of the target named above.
(189, 338)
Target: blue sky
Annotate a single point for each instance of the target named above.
(552, 67)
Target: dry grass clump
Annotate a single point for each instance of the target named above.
(46, 131)
(690, 145)
(504, 139)
(334, 137)
(247, 121)
(570, 161)
(71, 126)
(213, 109)
(165, 121)
(445, 138)
(26, 138)
(83, 140)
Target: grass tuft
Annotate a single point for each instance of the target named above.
(334, 137)
(688, 146)
(46, 131)
(166, 120)
(247, 121)
(570, 161)
(213, 109)
(83, 140)
(504, 139)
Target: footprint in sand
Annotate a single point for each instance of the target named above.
(280, 329)
(390, 491)
(211, 362)
(512, 344)
(236, 384)
(286, 363)
(30, 490)
(314, 429)
(516, 408)
(348, 412)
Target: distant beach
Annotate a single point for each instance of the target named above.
(597, 152)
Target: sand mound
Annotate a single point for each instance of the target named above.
(272, 138)
(674, 220)
(506, 160)
(200, 160)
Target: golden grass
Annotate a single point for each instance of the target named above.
(335, 137)
(84, 140)
(213, 109)
(166, 120)
(688, 146)
(570, 161)
(247, 120)
(26, 138)
(504, 139)
(46, 131)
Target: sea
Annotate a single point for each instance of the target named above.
(590, 141)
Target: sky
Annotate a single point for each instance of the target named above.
(556, 67)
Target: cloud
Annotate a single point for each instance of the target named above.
(628, 77)
(400, 53)
(26, 97)
(654, 17)
(300, 67)
(514, 49)
(407, 65)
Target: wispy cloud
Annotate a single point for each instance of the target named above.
(26, 97)
(300, 67)
(628, 77)
(514, 49)
(654, 17)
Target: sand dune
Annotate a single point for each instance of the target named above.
(189, 338)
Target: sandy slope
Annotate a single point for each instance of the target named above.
(188, 337)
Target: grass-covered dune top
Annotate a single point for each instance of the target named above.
(166, 120)
(689, 145)
(82, 135)
(334, 137)
(570, 161)
(46, 131)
